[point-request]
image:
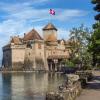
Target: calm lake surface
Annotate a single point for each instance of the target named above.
(28, 86)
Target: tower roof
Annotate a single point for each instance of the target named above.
(16, 40)
(50, 26)
(32, 35)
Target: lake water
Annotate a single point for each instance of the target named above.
(28, 86)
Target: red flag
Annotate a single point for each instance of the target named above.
(52, 12)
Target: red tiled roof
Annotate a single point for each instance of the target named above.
(32, 35)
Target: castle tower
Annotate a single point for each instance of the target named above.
(34, 56)
(50, 32)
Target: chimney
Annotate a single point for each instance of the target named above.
(24, 34)
(11, 37)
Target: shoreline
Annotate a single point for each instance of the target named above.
(35, 71)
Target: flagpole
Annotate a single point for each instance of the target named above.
(51, 12)
(49, 18)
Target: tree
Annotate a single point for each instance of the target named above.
(94, 46)
(97, 8)
(79, 40)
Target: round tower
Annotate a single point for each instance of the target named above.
(50, 31)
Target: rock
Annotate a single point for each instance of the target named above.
(54, 96)
(69, 92)
(73, 77)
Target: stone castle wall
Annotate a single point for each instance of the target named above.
(47, 33)
(34, 56)
(7, 57)
(31, 57)
(18, 53)
(39, 56)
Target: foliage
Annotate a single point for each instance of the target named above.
(69, 63)
(79, 40)
(97, 8)
(95, 1)
(94, 45)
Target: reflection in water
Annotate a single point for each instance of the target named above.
(28, 93)
(6, 87)
(28, 86)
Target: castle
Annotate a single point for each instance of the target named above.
(34, 52)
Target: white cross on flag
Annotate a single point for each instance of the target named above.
(52, 11)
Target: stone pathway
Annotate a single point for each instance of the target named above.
(92, 92)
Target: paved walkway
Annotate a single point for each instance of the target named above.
(92, 92)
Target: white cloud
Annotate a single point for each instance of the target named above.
(17, 22)
(19, 16)
(66, 14)
(63, 34)
(33, 13)
(28, 10)
(20, 6)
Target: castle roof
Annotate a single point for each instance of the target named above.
(16, 40)
(50, 26)
(32, 35)
(59, 41)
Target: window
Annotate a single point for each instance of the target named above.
(64, 50)
(39, 46)
(29, 45)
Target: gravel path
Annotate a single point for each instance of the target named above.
(92, 92)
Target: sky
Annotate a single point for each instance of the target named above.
(20, 16)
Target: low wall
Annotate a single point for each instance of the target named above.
(68, 94)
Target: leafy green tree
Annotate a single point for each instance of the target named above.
(94, 46)
(79, 40)
(97, 8)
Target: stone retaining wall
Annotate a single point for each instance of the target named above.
(68, 94)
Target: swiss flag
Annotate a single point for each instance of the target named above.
(52, 11)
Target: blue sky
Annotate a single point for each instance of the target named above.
(20, 16)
